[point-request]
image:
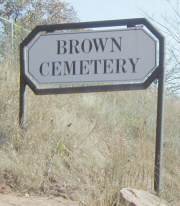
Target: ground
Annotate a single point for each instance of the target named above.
(26, 200)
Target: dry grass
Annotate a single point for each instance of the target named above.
(86, 147)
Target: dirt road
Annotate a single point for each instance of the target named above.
(14, 200)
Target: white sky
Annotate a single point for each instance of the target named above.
(92, 10)
(160, 10)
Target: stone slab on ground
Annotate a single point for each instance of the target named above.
(14, 200)
(134, 197)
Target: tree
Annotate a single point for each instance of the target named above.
(32, 12)
(170, 26)
(26, 14)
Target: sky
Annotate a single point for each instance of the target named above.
(92, 10)
(159, 10)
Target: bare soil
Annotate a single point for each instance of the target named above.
(16, 200)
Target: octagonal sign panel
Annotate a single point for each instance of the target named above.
(122, 56)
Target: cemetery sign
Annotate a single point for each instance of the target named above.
(99, 56)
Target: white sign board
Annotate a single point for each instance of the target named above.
(112, 56)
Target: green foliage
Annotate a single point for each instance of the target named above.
(31, 12)
(21, 16)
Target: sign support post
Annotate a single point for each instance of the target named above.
(22, 99)
(159, 125)
(22, 106)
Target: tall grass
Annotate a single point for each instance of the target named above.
(85, 146)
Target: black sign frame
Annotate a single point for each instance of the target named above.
(83, 25)
(157, 74)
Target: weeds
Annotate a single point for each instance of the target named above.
(85, 147)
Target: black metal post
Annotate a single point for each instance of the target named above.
(159, 125)
(22, 103)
